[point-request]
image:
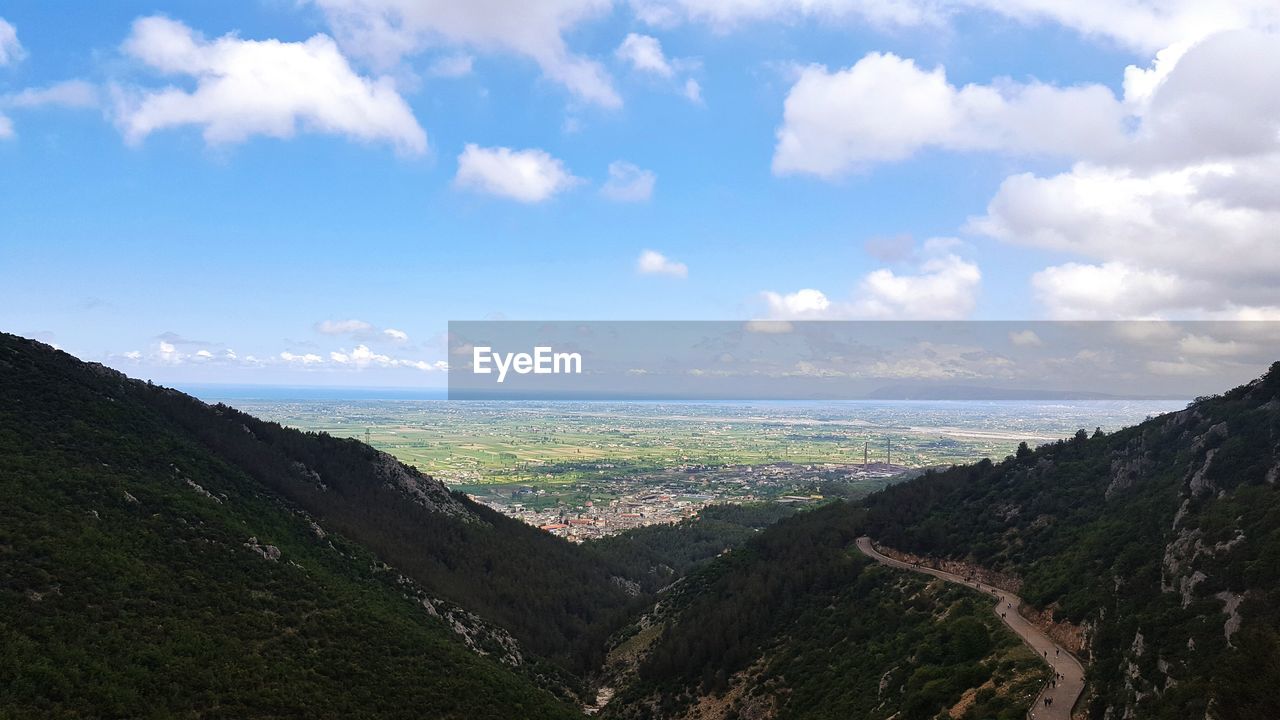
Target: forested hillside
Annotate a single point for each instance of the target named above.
(1157, 548)
(143, 574)
(658, 554)
(164, 557)
(1161, 541)
(560, 600)
(797, 624)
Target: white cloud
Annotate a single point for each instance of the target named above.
(452, 66)
(268, 87)
(529, 176)
(1166, 240)
(1204, 102)
(693, 91)
(344, 327)
(385, 31)
(944, 288)
(728, 14)
(1025, 338)
(1206, 346)
(652, 262)
(628, 183)
(362, 357)
(799, 304)
(644, 53)
(1075, 291)
(71, 93)
(303, 359)
(10, 49)
(362, 330)
(885, 108)
(1181, 218)
(1139, 25)
(134, 355)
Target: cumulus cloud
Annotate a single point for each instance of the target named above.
(644, 53)
(885, 108)
(172, 349)
(1075, 291)
(943, 287)
(805, 303)
(301, 359)
(1170, 204)
(10, 49)
(628, 183)
(268, 87)
(652, 262)
(1180, 219)
(6, 128)
(528, 176)
(1205, 102)
(1196, 102)
(1162, 241)
(362, 357)
(386, 31)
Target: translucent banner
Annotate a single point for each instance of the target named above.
(839, 360)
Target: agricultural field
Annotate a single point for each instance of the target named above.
(475, 444)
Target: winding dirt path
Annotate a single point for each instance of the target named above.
(1071, 683)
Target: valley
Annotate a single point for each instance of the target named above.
(585, 470)
(260, 570)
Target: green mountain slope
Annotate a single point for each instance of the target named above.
(1156, 547)
(145, 571)
(797, 624)
(1161, 541)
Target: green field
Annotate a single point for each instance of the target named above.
(559, 443)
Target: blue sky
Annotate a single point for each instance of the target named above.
(284, 182)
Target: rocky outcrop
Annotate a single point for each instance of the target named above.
(422, 489)
(1130, 466)
(266, 552)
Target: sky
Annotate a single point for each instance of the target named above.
(306, 191)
